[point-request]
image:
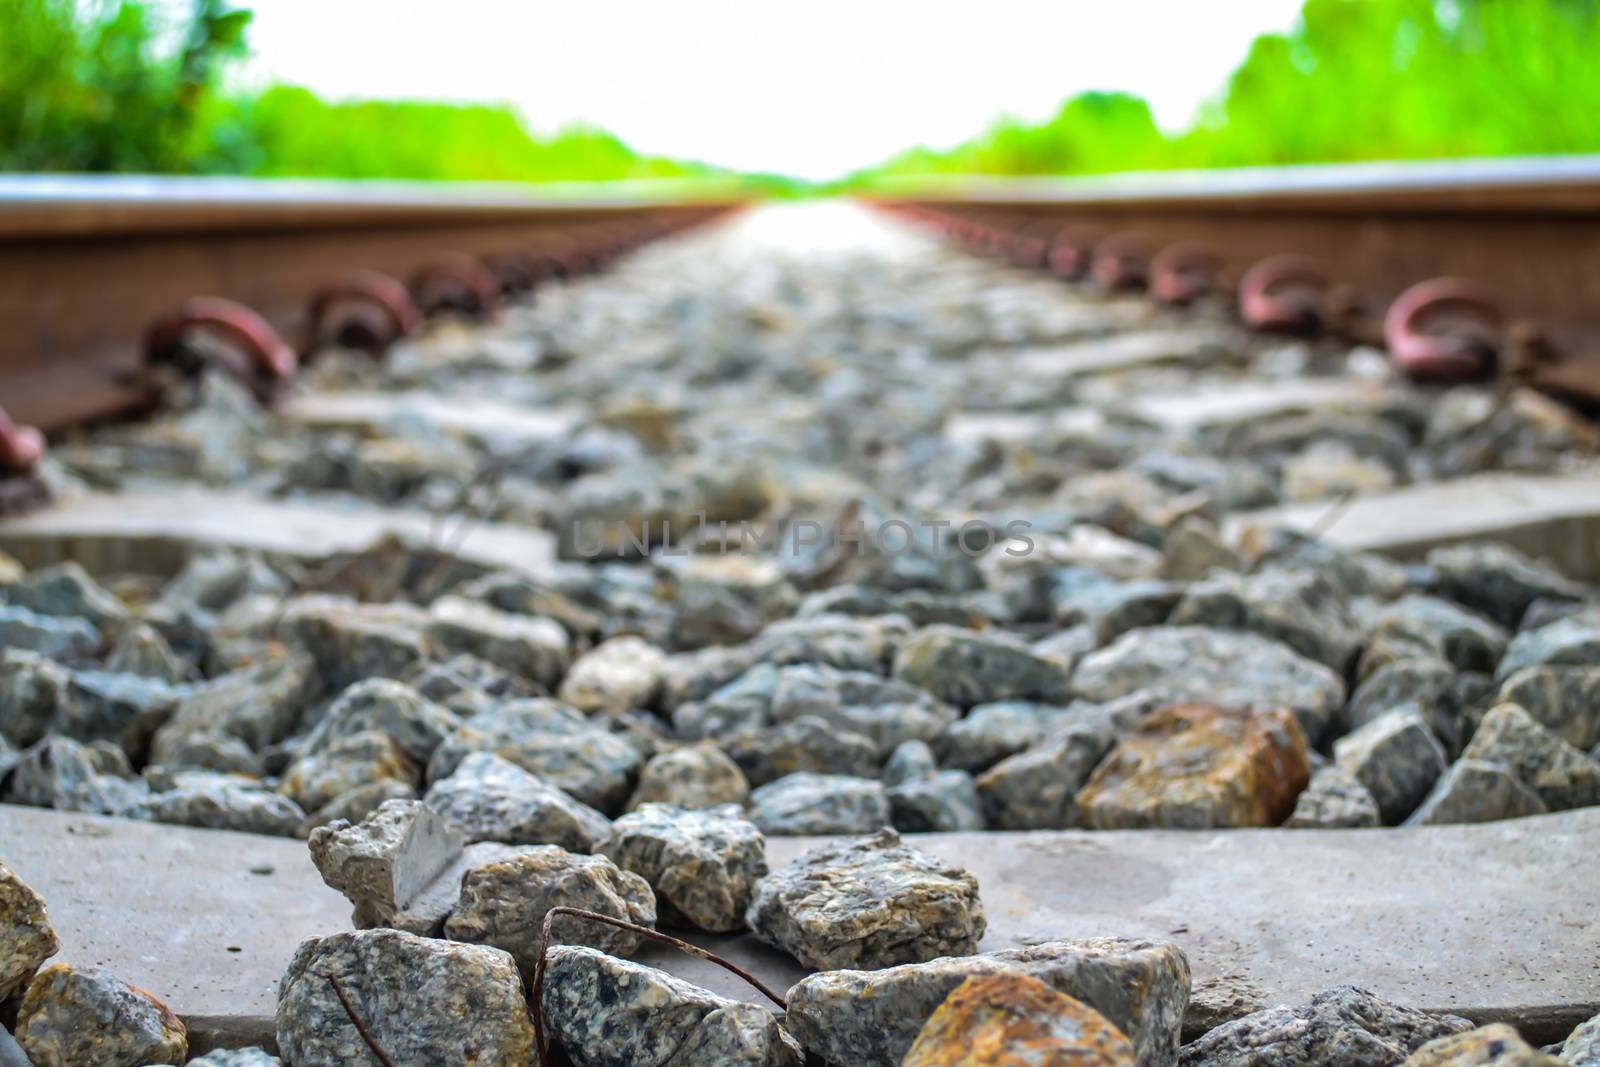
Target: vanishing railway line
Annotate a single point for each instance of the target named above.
(323, 503)
(1463, 270)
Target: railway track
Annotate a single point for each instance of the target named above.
(1258, 651)
(101, 264)
(1463, 270)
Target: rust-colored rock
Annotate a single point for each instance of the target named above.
(1194, 767)
(1011, 1020)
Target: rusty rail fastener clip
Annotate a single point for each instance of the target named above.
(1121, 262)
(1285, 294)
(1184, 272)
(1470, 344)
(367, 310)
(455, 282)
(251, 348)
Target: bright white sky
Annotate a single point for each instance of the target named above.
(812, 88)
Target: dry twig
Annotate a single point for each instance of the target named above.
(361, 1027)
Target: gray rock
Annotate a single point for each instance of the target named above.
(416, 724)
(66, 591)
(504, 904)
(806, 744)
(739, 1035)
(352, 641)
(212, 583)
(966, 668)
(1193, 664)
(870, 1018)
(26, 936)
(384, 862)
(693, 676)
(140, 649)
(1110, 608)
(124, 708)
(1429, 685)
(358, 803)
(885, 710)
(1496, 1045)
(60, 773)
(532, 648)
(259, 705)
(237, 1057)
(1497, 580)
(740, 707)
(555, 742)
(1356, 574)
(1297, 607)
(1472, 790)
(492, 799)
(1566, 700)
(911, 761)
(1562, 775)
(32, 687)
(429, 1003)
(220, 802)
(694, 776)
(806, 803)
(1422, 626)
(618, 675)
(1396, 757)
(607, 1012)
(1570, 641)
(212, 752)
(428, 910)
(1038, 789)
(60, 638)
(946, 803)
(1582, 1046)
(991, 732)
(344, 764)
(1334, 799)
(1342, 1027)
(872, 902)
(84, 1018)
(468, 685)
(1067, 646)
(832, 640)
(703, 865)
(1194, 548)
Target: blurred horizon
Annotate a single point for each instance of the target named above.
(796, 102)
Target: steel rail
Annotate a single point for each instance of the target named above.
(97, 266)
(1522, 235)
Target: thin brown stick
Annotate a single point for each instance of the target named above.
(361, 1027)
(1334, 513)
(536, 994)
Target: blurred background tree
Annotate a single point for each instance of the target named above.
(109, 85)
(1355, 80)
(89, 87)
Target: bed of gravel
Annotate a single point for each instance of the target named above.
(931, 567)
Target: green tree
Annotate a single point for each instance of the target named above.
(1355, 80)
(91, 88)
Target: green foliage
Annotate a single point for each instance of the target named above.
(90, 86)
(101, 85)
(1091, 132)
(1355, 80)
(289, 131)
